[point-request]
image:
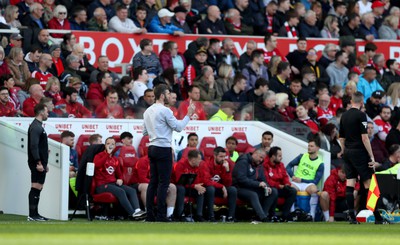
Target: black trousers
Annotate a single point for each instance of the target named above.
(160, 175)
(289, 193)
(181, 192)
(211, 192)
(261, 204)
(127, 196)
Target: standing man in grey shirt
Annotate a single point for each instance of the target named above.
(159, 123)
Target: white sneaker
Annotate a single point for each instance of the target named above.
(138, 214)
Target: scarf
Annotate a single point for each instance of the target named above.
(291, 32)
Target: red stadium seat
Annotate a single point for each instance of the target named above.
(101, 198)
(144, 146)
(56, 137)
(207, 146)
(128, 160)
(243, 145)
(186, 151)
(82, 144)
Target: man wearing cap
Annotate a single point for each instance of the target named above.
(179, 20)
(15, 41)
(373, 105)
(194, 69)
(348, 45)
(378, 8)
(212, 24)
(162, 24)
(367, 83)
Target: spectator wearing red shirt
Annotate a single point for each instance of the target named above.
(3, 65)
(336, 98)
(324, 113)
(6, 107)
(194, 69)
(95, 95)
(36, 93)
(59, 21)
(110, 107)
(303, 118)
(333, 197)
(108, 178)
(277, 177)
(217, 178)
(42, 72)
(194, 95)
(383, 122)
(191, 165)
(7, 81)
(142, 171)
(72, 107)
(270, 50)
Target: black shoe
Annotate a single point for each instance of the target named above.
(230, 220)
(353, 222)
(199, 218)
(36, 218)
(45, 219)
(275, 219)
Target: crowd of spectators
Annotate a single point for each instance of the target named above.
(260, 84)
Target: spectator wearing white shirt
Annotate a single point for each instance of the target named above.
(140, 84)
(122, 24)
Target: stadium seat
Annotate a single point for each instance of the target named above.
(243, 145)
(207, 146)
(144, 146)
(128, 160)
(82, 144)
(56, 137)
(102, 198)
(186, 151)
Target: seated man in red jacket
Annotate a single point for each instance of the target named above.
(110, 107)
(194, 95)
(6, 107)
(142, 172)
(72, 107)
(278, 178)
(217, 178)
(333, 197)
(189, 165)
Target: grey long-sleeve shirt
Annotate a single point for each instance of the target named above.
(159, 123)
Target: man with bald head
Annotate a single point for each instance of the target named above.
(212, 24)
(99, 21)
(85, 68)
(42, 73)
(36, 92)
(34, 19)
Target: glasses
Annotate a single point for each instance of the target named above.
(62, 13)
(4, 94)
(332, 50)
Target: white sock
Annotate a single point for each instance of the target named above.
(170, 211)
(326, 215)
(137, 210)
(313, 204)
(292, 208)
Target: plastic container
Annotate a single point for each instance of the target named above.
(303, 201)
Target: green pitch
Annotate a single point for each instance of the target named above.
(15, 230)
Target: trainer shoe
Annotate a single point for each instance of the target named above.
(230, 220)
(45, 219)
(354, 222)
(36, 218)
(138, 214)
(382, 222)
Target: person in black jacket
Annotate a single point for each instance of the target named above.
(249, 179)
(38, 155)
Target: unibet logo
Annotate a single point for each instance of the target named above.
(242, 141)
(129, 155)
(210, 146)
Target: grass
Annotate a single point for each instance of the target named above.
(16, 230)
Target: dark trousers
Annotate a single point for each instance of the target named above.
(127, 196)
(181, 192)
(289, 193)
(212, 192)
(160, 174)
(256, 197)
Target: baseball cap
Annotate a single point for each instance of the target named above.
(378, 94)
(201, 50)
(164, 12)
(180, 9)
(377, 4)
(16, 36)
